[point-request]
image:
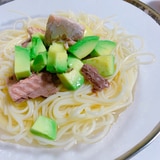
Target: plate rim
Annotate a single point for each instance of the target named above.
(145, 142)
(145, 8)
(156, 130)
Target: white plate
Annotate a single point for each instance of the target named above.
(140, 118)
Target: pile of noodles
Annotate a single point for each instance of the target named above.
(82, 116)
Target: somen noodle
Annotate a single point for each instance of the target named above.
(82, 116)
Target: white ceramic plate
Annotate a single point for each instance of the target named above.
(140, 118)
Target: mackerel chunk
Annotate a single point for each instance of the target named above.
(37, 85)
(91, 74)
(61, 28)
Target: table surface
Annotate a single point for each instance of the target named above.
(155, 4)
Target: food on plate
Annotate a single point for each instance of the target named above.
(64, 79)
(34, 86)
(84, 47)
(103, 47)
(45, 127)
(104, 64)
(63, 29)
(57, 58)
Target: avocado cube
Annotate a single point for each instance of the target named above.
(39, 62)
(103, 47)
(57, 58)
(44, 127)
(74, 62)
(84, 47)
(37, 46)
(40, 35)
(22, 62)
(104, 64)
(72, 80)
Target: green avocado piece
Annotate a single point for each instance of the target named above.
(37, 46)
(29, 46)
(57, 58)
(39, 62)
(40, 35)
(45, 127)
(103, 47)
(84, 47)
(104, 64)
(72, 80)
(22, 62)
(74, 62)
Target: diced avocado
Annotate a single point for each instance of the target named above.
(103, 47)
(22, 62)
(29, 46)
(40, 35)
(45, 127)
(39, 62)
(72, 80)
(84, 47)
(37, 46)
(103, 64)
(74, 62)
(57, 58)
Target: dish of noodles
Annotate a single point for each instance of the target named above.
(83, 116)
